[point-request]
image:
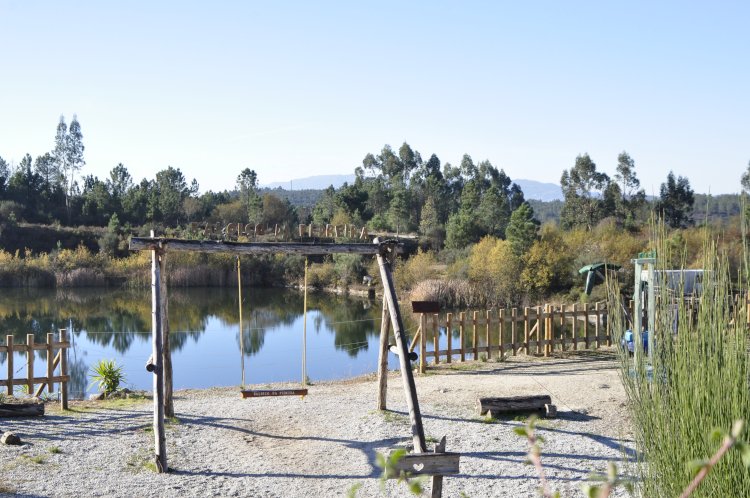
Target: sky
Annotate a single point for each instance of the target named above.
(294, 89)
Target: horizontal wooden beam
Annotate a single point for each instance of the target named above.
(36, 380)
(227, 247)
(430, 464)
(38, 346)
(513, 404)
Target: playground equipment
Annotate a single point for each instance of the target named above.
(436, 464)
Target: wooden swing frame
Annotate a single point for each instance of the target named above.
(161, 362)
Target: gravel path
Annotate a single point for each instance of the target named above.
(326, 443)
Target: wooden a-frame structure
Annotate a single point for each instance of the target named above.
(420, 461)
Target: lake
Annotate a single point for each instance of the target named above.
(342, 334)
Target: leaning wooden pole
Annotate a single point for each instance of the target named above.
(160, 440)
(410, 387)
(385, 328)
(166, 348)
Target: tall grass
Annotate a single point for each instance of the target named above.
(696, 382)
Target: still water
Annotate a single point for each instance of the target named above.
(342, 334)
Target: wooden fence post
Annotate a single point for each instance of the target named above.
(547, 328)
(609, 330)
(436, 336)
(30, 362)
(500, 339)
(526, 329)
(50, 362)
(449, 334)
(539, 336)
(488, 339)
(64, 369)
(461, 335)
(586, 322)
(9, 344)
(596, 328)
(474, 335)
(514, 329)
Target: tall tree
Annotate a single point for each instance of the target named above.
(522, 229)
(4, 175)
(676, 201)
(247, 185)
(583, 188)
(632, 198)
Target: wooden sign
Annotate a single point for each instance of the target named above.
(263, 393)
(425, 307)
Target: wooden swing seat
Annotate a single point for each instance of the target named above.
(264, 393)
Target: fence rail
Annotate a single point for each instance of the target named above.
(532, 330)
(57, 355)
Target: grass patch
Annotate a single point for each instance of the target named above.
(393, 417)
(139, 462)
(55, 450)
(37, 459)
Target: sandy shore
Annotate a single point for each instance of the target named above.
(326, 444)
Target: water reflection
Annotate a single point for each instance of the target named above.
(117, 324)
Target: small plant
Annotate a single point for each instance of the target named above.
(38, 459)
(107, 375)
(389, 463)
(54, 450)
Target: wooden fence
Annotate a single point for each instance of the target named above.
(53, 361)
(537, 330)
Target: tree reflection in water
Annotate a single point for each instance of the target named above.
(116, 320)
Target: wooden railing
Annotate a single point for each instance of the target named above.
(31, 380)
(537, 330)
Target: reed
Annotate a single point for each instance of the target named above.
(696, 382)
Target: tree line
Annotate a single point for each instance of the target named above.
(449, 206)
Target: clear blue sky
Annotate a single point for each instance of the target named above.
(293, 89)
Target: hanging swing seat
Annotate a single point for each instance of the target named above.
(264, 393)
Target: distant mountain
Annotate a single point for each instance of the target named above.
(540, 191)
(318, 182)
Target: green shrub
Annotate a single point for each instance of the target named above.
(107, 375)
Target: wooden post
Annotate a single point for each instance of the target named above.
(422, 343)
(50, 362)
(436, 337)
(608, 330)
(166, 348)
(562, 327)
(449, 333)
(160, 440)
(410, 388)
(539, 336)
(488, 338)
(526, 329)
(30, 362)
(549, 324)
(437, 481)
(385, 328)
(586, 324)
(461, 328)
(9, 344)
(596, 327)
(547, 327)
(544, 323)
(500, 322)
(513, 330)
(474, 335)
(64, 370)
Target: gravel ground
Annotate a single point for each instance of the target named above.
(326, 443)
